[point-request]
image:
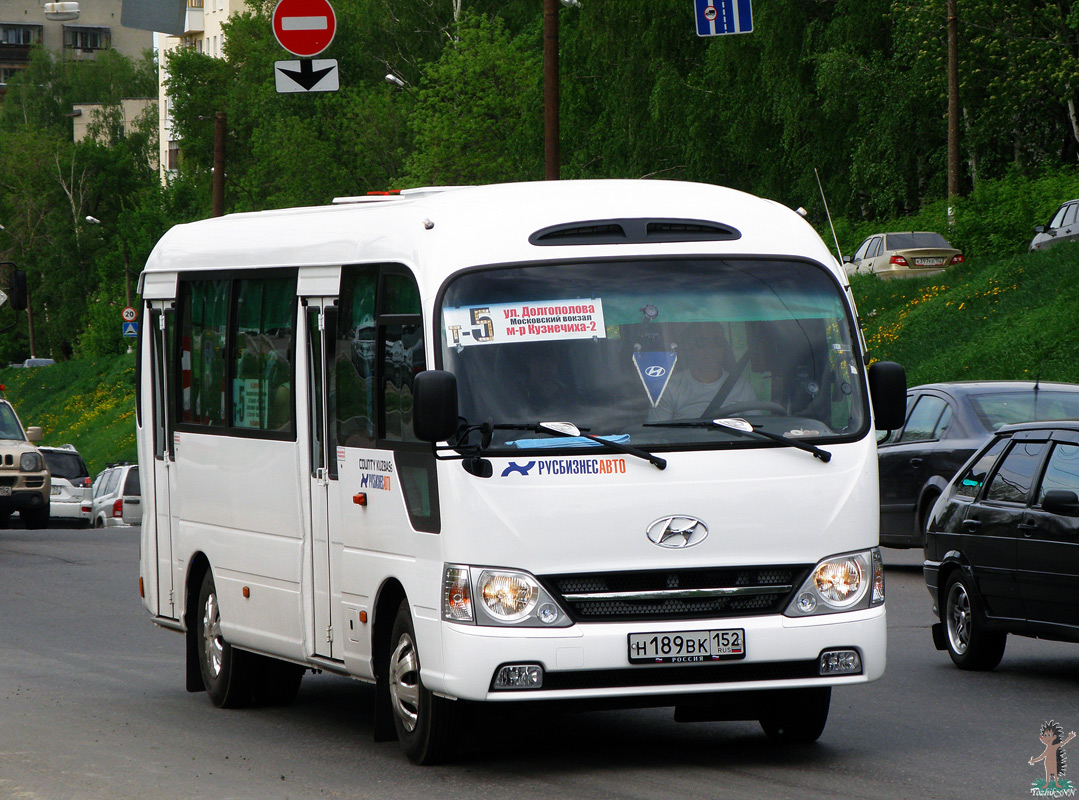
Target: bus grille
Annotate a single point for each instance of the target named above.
(675, 594)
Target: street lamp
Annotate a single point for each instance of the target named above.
(127, 257)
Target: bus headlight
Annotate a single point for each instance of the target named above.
(486, 596)
(841, 583)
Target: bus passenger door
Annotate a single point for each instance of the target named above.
(162, 349)
(321, 325)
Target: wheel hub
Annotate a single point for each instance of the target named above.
(405, 683)
(213, 644)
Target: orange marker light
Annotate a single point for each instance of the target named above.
(247, 591)
(360, 499)
(363, 617)
(142, 590)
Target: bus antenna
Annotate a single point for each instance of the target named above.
(829, 214)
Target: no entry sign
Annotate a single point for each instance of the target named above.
(304, 27)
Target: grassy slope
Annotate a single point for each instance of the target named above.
(1012, 318)
(88, 403)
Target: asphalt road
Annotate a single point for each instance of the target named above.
(92, 705)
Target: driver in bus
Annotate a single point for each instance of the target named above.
(704, 378)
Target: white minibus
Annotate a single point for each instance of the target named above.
(598, 441)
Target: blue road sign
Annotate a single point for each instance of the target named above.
(131, 329)
(719, 17)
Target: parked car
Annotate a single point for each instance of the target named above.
(71, 498)
(893, 255)
(1002, 549)
(38, 362)
(117, 496)
(945, 424)
(24, 478)
(1063, 227)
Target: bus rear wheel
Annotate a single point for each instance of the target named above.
(225, 670)
(423, 721)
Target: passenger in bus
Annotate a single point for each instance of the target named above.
(706, 377)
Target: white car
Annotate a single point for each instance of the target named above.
(117, 496)
(70, 497)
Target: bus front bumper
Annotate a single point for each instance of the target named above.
(591, 661)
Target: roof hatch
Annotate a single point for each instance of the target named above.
(633, 231)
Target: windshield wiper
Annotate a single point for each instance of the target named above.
(741, 426)
(564, 429)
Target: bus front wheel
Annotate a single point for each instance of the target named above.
(423, 721)
(225, 672)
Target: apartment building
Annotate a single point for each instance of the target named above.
(202, 31)
(71, 30)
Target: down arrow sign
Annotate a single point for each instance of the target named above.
(307, 76)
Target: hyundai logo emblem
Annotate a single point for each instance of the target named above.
(677, 531)
(655, 372)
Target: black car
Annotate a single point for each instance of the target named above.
(945, 424)
(1002, 546)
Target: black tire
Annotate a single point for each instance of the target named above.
(35, 518)
(796, 716)
(226, 672)
(424, 723)
(970, 645)
(99, 521)
(274, 682)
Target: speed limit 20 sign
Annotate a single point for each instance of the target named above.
(129, 314)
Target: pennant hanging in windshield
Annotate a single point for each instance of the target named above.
(655, 370)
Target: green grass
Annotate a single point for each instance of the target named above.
(1013, 318)
(89, 403)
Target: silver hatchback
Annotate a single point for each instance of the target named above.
(117, 496)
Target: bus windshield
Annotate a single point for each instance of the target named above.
(639, 350)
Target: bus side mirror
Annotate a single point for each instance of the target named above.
(434, 405)
(888, 389)
(18, 290)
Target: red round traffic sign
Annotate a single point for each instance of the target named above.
(129, 314)
(304, 27)
(710, 13)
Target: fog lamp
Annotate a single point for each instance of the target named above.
(840, 662)
(519, 676)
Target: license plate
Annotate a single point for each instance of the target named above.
(928, 262)
(687, 647)
(5, 491)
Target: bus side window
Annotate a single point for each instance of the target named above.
(262, 366)
(352, 400)
(203, 320)
(402, 359)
